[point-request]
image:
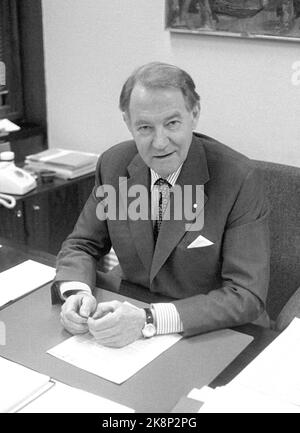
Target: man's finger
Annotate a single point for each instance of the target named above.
(72, 316)
(88, 305)
(73, 328)
(72, 323)
(105, 322)
(104, 308)
(105, 334)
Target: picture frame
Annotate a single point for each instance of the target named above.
(263, 19)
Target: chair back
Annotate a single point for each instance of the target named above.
(282, 187)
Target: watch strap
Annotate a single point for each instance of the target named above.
(149, 316)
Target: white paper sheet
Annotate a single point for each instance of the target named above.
(8, 126)
(62, 398)
(22, 279)
(234, 398)
(17, 383)
(114, 364)
(276, 370)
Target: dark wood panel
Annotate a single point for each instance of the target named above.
(12, 223)
(63, 214)
(36, 221)
(46, 216)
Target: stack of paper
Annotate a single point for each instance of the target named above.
(22, 279)
(67, 164)
(276, 370)
(234, 398)
(27, 391)
(19, 385)
(270, 383)
(62, 398)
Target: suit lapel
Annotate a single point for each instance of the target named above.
(194, 172)
(141, 230)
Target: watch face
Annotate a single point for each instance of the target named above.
(149, 330)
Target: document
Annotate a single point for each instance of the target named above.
(276, 370)
(62, 398)
(8, 126)
(26, 391)
(270, 383)
(234, 398)
(19, 384)
(22, 279)
(113, 364)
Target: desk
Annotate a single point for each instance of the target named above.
(39, 218)
(33, 327)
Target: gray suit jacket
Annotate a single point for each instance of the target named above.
(216, 286)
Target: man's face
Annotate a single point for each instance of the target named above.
(161, 126)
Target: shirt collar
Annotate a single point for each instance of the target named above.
(172, 178)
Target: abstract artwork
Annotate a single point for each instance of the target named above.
(275, 19)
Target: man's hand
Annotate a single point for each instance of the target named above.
(75, 312)
(116, 324)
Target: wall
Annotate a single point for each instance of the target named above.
(248, 98)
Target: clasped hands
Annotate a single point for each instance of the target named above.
(113, 324)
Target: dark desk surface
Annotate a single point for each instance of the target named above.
(26, 328)
(12, 254)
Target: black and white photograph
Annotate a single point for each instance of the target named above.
(149, 210)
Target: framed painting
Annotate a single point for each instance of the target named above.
(271, 19)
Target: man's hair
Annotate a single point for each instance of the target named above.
(156, 75)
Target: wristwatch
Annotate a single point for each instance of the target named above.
(149, 329)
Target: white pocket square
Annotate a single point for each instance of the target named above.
(199, 242)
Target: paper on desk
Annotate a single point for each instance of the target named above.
(114, 364)
(22, 279)
(8, 126)
(276, 370)
(18, 383)
(62, 398)
(234, 398)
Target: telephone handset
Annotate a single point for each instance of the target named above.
(13, 180)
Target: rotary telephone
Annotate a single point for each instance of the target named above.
(13, 180)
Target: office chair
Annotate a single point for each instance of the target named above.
(289, 312)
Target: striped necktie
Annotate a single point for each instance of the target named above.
(164, 195)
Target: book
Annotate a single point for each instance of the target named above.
(67, 164)
(25, 390)
(61, 172)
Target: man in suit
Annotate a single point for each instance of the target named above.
(215, 272)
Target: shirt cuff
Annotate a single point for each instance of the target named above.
(167, 318)
(67, 286)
